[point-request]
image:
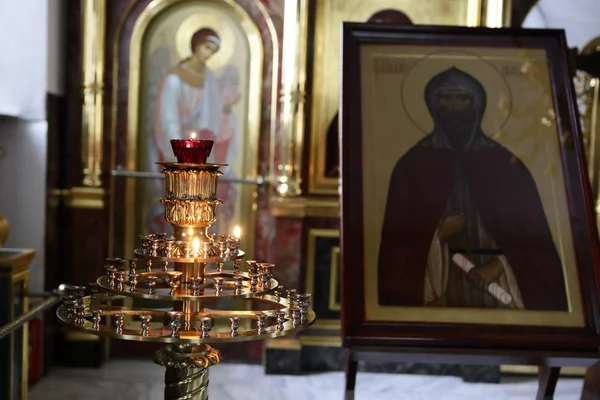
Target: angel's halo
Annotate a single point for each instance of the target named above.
(207, 19)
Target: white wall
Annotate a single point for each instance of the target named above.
(23, 189)
(25, 77)
(23, 47)
(579, 18)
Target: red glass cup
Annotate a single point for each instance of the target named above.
(192, 151)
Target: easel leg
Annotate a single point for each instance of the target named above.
(351, 369)
(547, 379)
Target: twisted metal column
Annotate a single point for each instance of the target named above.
(186, 383)
(186, 377)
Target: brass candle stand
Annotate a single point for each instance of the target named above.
(194, 271)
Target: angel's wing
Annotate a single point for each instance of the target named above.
(159, 64)
(158, 67)
(229, 83)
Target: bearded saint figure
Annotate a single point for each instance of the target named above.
(464, 221)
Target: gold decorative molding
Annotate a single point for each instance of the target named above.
(283, 343)
(4, 229)
(78, 197)
(325, 341)
(587, 89)
(94, 22)
(328, 324)
(301, 207)
(80, 336)
(313, 234)
(334, 278)
(151, 14)
(496, 13)
(293, 82)
(533, 370)
(325, 67)
(303, 340)
(15, 272)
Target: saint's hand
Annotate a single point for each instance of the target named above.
(451, 226)
(486, 273)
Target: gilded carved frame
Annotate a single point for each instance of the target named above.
(90, 194)
(325, 88)
(154, 10)
(358, 326)
(133, 93)
(311, 254)
(328, 326)
(588, 95)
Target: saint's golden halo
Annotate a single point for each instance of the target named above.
(498, 93)
(214, 20)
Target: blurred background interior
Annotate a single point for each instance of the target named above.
(78, 82)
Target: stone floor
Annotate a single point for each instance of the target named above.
(142, 380)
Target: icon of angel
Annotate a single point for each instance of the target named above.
(190, 98)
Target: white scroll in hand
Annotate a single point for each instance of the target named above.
(494, 289)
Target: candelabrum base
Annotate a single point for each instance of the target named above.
(186, 376)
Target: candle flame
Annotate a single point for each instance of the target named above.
(196, 246)
(237, 231)
(193, 135)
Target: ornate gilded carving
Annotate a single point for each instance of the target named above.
(191, 212)
(92, 118)
(255, 23)
(191, 198)
(191, 184)
(585, 86)
(587, 89)
(78, 197)
(293, 79)
(3, 229)
(186, 356)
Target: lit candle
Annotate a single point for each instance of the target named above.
(196, 247)
(234, 240)
(192, 151)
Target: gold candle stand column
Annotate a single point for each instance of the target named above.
(191, 200)
(186, 376)
(191, 208)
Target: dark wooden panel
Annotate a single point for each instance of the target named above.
(56, 117)
(322, 271)
(71, 161)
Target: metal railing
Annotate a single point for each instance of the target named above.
(123, 173)
(51, 300)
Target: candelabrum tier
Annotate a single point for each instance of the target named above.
(193, 269)
(212, 247)
(167, 285)
(228, 257)
(97, 315)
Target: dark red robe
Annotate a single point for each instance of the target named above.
(507, 201)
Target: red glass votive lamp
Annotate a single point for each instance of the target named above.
(192, 151)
